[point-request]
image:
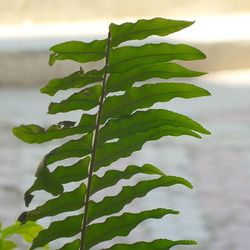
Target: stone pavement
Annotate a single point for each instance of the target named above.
(216, 212)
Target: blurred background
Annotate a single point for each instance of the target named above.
(216, 212)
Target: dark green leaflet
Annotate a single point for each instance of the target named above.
(63, 228)
(161, 244)
(73, 148)
(68, 201)
(112, 177)
(66, 174)
(121, 225)
(117, 121)
(111, 152)
(113, 204)
(71, 246)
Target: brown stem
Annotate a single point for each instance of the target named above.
(93, 154)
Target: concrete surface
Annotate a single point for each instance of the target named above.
(216, 212)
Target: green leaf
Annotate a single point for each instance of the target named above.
(74, 148)
(142, 121)
(58, 229)
(111, 152)
(28, 231)
(74, 245)
(128, 57)
(113, 204)
(49, 182)
(68, 201)
(52, 59)
(7, 245)
(32, 133)
(145, 28)
(84, 100)
(147, 95)
(120, 225)
(123, 81)
(66, 174)
(79, 51)
(74, 80)
(111, 177)
(161, 244)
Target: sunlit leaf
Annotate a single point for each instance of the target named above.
(79, 51)
(32, 133)
(28, 231)
(144, 28)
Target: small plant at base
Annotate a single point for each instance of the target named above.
(127, 117)
(27, 231)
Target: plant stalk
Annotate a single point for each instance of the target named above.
(93, 153)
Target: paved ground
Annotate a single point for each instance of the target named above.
(216, 212)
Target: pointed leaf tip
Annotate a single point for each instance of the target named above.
(28, 198)
(52, 59)
(22, 218)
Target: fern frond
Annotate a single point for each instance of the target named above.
(120, 121)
